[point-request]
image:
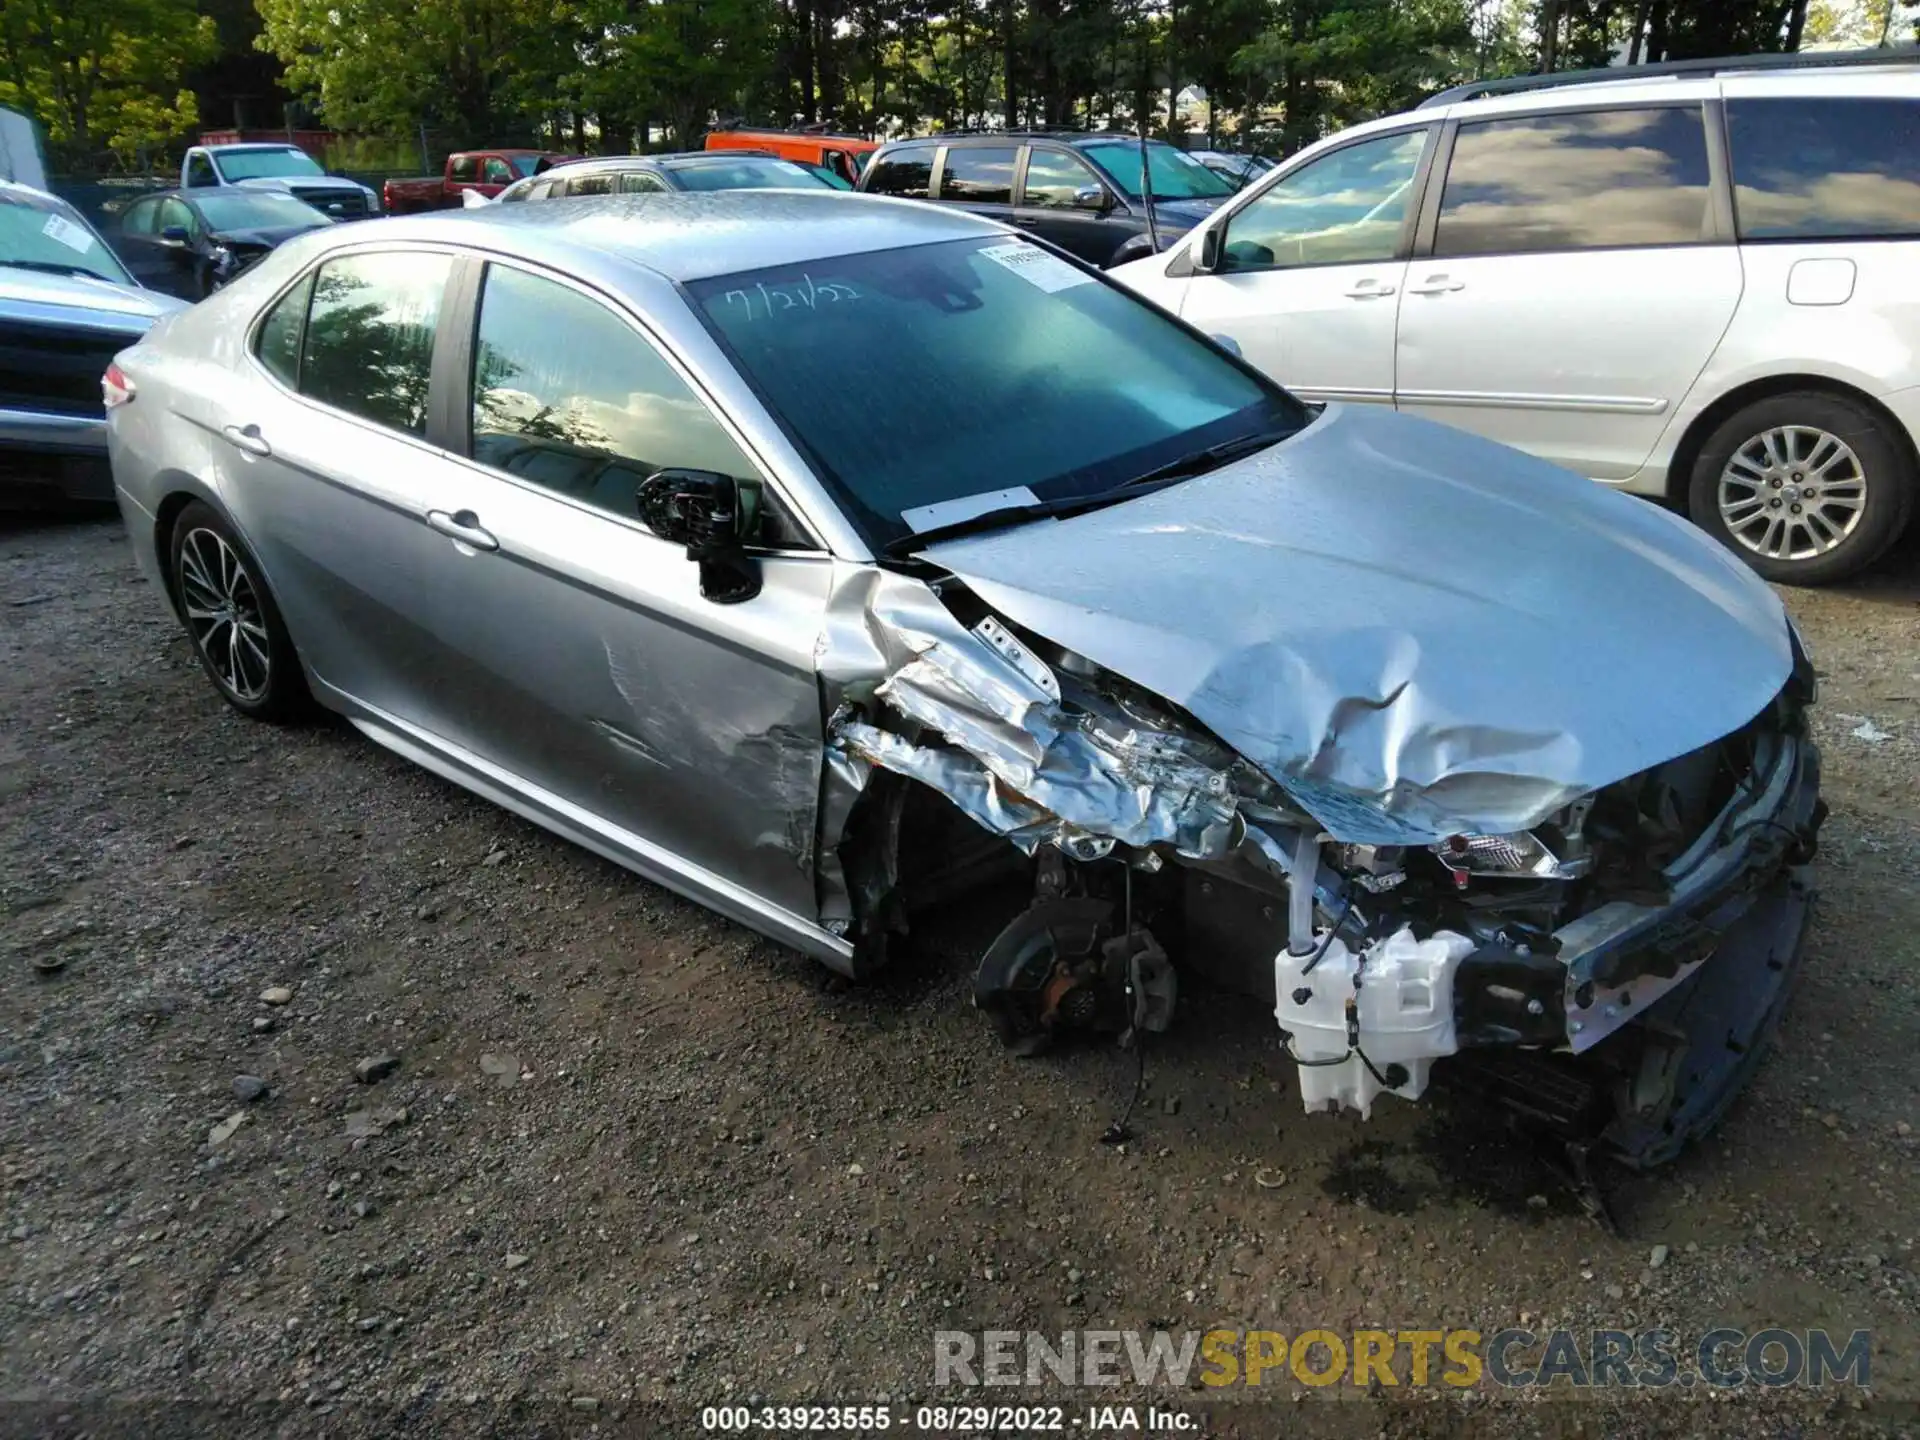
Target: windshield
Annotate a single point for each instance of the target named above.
(39, 232)
(927, 375)
(259, 210)
(748, 174)
(259, 164)
(1176, 175)
(524, 165)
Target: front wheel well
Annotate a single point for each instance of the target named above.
(1687, 452)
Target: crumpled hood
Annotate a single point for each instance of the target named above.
(1415, 631)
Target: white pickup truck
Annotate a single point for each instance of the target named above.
(286, 168)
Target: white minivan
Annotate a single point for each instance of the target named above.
(1698, 282)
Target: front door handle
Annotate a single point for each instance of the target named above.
(464, 526)
(249, 439)
(1369, 290)
(1436, 285)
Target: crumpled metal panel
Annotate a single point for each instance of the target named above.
(1020, 763)
(1416, 632)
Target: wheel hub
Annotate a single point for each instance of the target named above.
(1794, 492)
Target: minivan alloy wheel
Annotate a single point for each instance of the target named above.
(1792, 492)
(223, 614)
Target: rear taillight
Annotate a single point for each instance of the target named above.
(115, 388)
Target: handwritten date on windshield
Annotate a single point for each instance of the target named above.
(765, 301)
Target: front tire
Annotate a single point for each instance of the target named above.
(232, 620)
(1806, 487)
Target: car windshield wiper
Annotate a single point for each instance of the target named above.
(1198, 463)
(53, 267)
(1211, 458)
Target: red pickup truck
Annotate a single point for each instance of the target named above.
(487, 171)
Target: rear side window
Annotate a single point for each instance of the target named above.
(639, 182)
(1590, 180)
(568, 396)
(369, 340)
(278, 341)
(1826, 168)
(907, 173)
(590, 185)
(982, 174)
(464, 167)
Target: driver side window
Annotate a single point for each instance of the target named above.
(1349, 207)
(200, 171)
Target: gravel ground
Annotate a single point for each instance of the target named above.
(618, 1158)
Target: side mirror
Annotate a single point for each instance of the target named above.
(1206, 258)
(1090, 197)
(712, 515)
(175, 235)
(1228, 344)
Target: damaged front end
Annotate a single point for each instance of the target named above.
(1662, 913)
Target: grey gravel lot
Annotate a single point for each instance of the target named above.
(333, 1100)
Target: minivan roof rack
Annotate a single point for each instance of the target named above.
(1801, 60)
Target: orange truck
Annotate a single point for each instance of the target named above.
(844, 155)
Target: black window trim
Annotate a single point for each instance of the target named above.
(1719, 195)
(451, 395)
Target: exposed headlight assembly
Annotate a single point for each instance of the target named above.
(1523, 855)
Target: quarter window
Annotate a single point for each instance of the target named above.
(368, 348)
(570, 397)
(639, 182)
(278, 341)
(1349, 207)
(1053, 179)
(1600, 180)
(1824, 169)
(981, 174)
(907, 173)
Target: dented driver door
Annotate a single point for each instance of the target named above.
(573, 647)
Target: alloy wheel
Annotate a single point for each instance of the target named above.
(1793, 492)
(223, 614)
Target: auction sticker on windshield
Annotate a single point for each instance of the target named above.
(1036, 266)
(74, 237)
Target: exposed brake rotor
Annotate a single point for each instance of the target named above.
(1059, 966)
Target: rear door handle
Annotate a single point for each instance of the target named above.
(249, 439)
(1369, 290)
(464, 526)
(1436, 285)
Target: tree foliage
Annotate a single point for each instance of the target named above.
(102, 74)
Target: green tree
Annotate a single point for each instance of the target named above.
(102, 74)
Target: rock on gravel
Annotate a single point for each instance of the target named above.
(505, 1070)
(376, 1067)
(248, 1088)
(276, 995)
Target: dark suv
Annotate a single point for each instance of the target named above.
(1078, 189)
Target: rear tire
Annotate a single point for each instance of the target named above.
(1806, 487)
(232, 620)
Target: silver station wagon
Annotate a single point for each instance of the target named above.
(822, 556)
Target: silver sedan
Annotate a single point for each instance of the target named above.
(824, 556)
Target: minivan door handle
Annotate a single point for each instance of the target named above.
(249, 439)
(1436, 285)
(464, 526)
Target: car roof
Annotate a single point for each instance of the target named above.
(687, 236)
(254, 145)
